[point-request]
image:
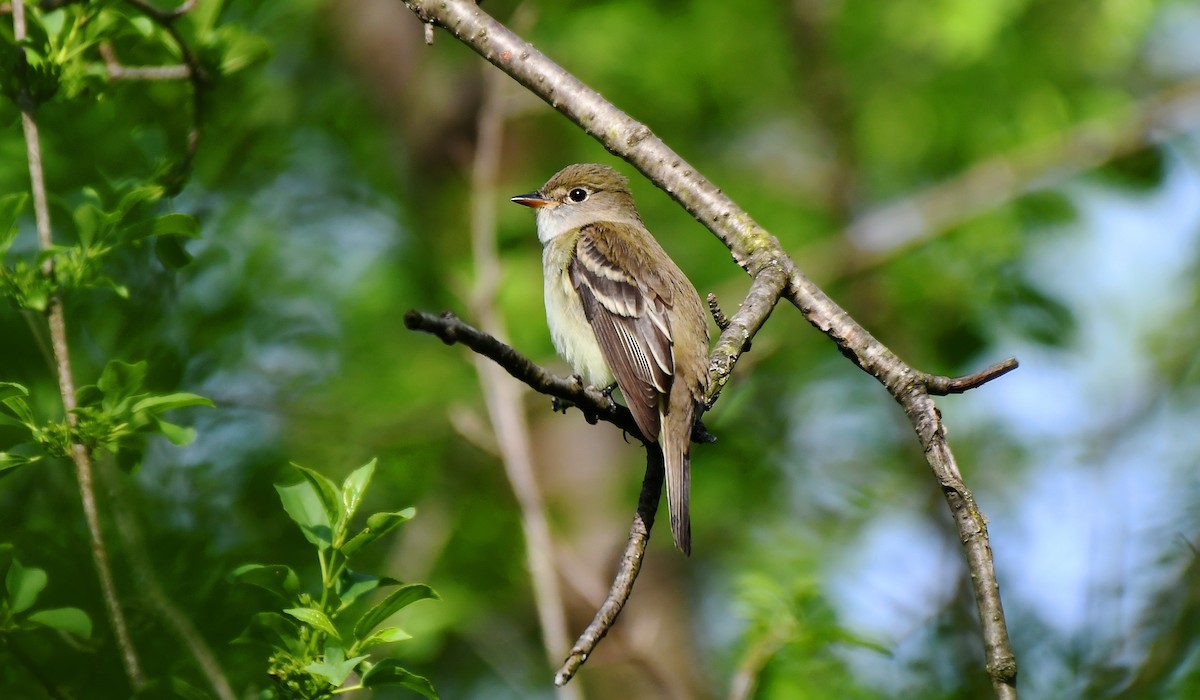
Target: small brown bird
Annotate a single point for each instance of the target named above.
(619, 307)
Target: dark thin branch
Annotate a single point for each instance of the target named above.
(942, 386)
(590, 401)
(755, 250)
(627, 570)
(196, 75)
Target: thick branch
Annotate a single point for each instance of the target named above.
(755, 250)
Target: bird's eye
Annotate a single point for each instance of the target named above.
(578, 194)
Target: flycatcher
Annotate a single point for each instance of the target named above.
(619, 308)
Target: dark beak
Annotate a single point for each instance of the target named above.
(534, 200)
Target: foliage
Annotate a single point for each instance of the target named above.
(320, 642)
(22, 586)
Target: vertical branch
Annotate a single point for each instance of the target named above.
(66, 384)
(502, 396)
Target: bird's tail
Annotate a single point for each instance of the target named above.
(676, 443)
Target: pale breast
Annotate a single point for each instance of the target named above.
(569, 328)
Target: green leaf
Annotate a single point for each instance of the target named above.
(276, 578)
(303, 505)
(240, 50)
(90, 222)
(120, 379)
(378, 525)
(335, 666)
(9, 461)
(171, 252)
(314, 618)
(397, 601)
(138, 196)
(72, 620)
(174, 224)
(354, 585)
(386, 635)
(177, 434)
(23, 585)
(10, 389)
(327, 491)
(168, 402)
(12, 396)
(389, 672)
(11, 206)
(270, 628)
(355, 486)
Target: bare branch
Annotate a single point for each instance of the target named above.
(118, 71)
(756, 251)
(627, 570)
(590, 401)
(941, 386)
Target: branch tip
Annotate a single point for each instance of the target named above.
(943, 386)
(714, 308)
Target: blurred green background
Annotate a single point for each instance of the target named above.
(970, 180)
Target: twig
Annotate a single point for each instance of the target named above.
(627, 570)
(590, 401)
(118, 71)
(196, 75)
(756, 251)
(501, 396)
(66, 384)
(942, 386)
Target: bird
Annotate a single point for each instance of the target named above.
(619, 309)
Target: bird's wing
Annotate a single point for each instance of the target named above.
(629, 316)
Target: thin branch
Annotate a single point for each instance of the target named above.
(741, 328)
(118, 71)
(196, 75)
(755, 250)
(942, 386)
(590, 401)
(501, 396)
(897, 226)
(66, 383)
(627, 571)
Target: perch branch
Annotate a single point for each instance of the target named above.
(590, 401)
(755, 250)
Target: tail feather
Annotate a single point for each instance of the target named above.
(676, 444)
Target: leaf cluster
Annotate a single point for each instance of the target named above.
(22, 587)
(323, 639)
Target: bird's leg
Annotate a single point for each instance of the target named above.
(561, 405)
(608, 392)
